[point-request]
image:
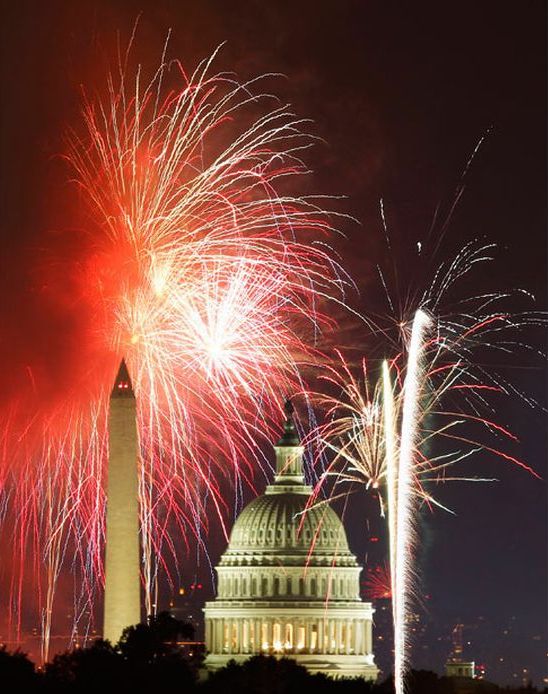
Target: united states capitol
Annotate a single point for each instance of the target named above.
(288, 584)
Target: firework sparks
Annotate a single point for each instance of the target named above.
(379, 583)
(402, 510)
(399, 435)
(210, 283)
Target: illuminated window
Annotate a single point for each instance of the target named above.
(288, 636)
(234, 636)
(244, 646)
(314, 637)
(300, 637)
(277, 636)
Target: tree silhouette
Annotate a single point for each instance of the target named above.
(147, 658)
(96, 668)
(270, 675)
(153, 656)
(155, 640)
(17, 672)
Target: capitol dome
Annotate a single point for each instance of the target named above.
(288, 583)
(282, 520)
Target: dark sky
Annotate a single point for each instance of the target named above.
(401, 92)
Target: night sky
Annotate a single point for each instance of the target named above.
(400, 93)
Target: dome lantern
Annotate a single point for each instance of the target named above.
(290, 437)
(289, 453)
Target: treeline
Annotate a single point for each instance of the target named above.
(149, 659)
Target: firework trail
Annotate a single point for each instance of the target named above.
(390, 438)
(403, 497)
(211, 283)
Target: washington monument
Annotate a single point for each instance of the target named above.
(122, 579)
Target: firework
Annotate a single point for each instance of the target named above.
(210, 283)
(379, 582)
(390, 439)
(462, 383)
(403, 433)
(402, 496)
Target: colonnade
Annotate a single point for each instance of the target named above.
(241, 584)
(330, 635)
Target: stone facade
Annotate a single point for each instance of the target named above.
(122, 555)
(288, 583)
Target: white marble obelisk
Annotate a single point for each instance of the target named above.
(122, 556)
